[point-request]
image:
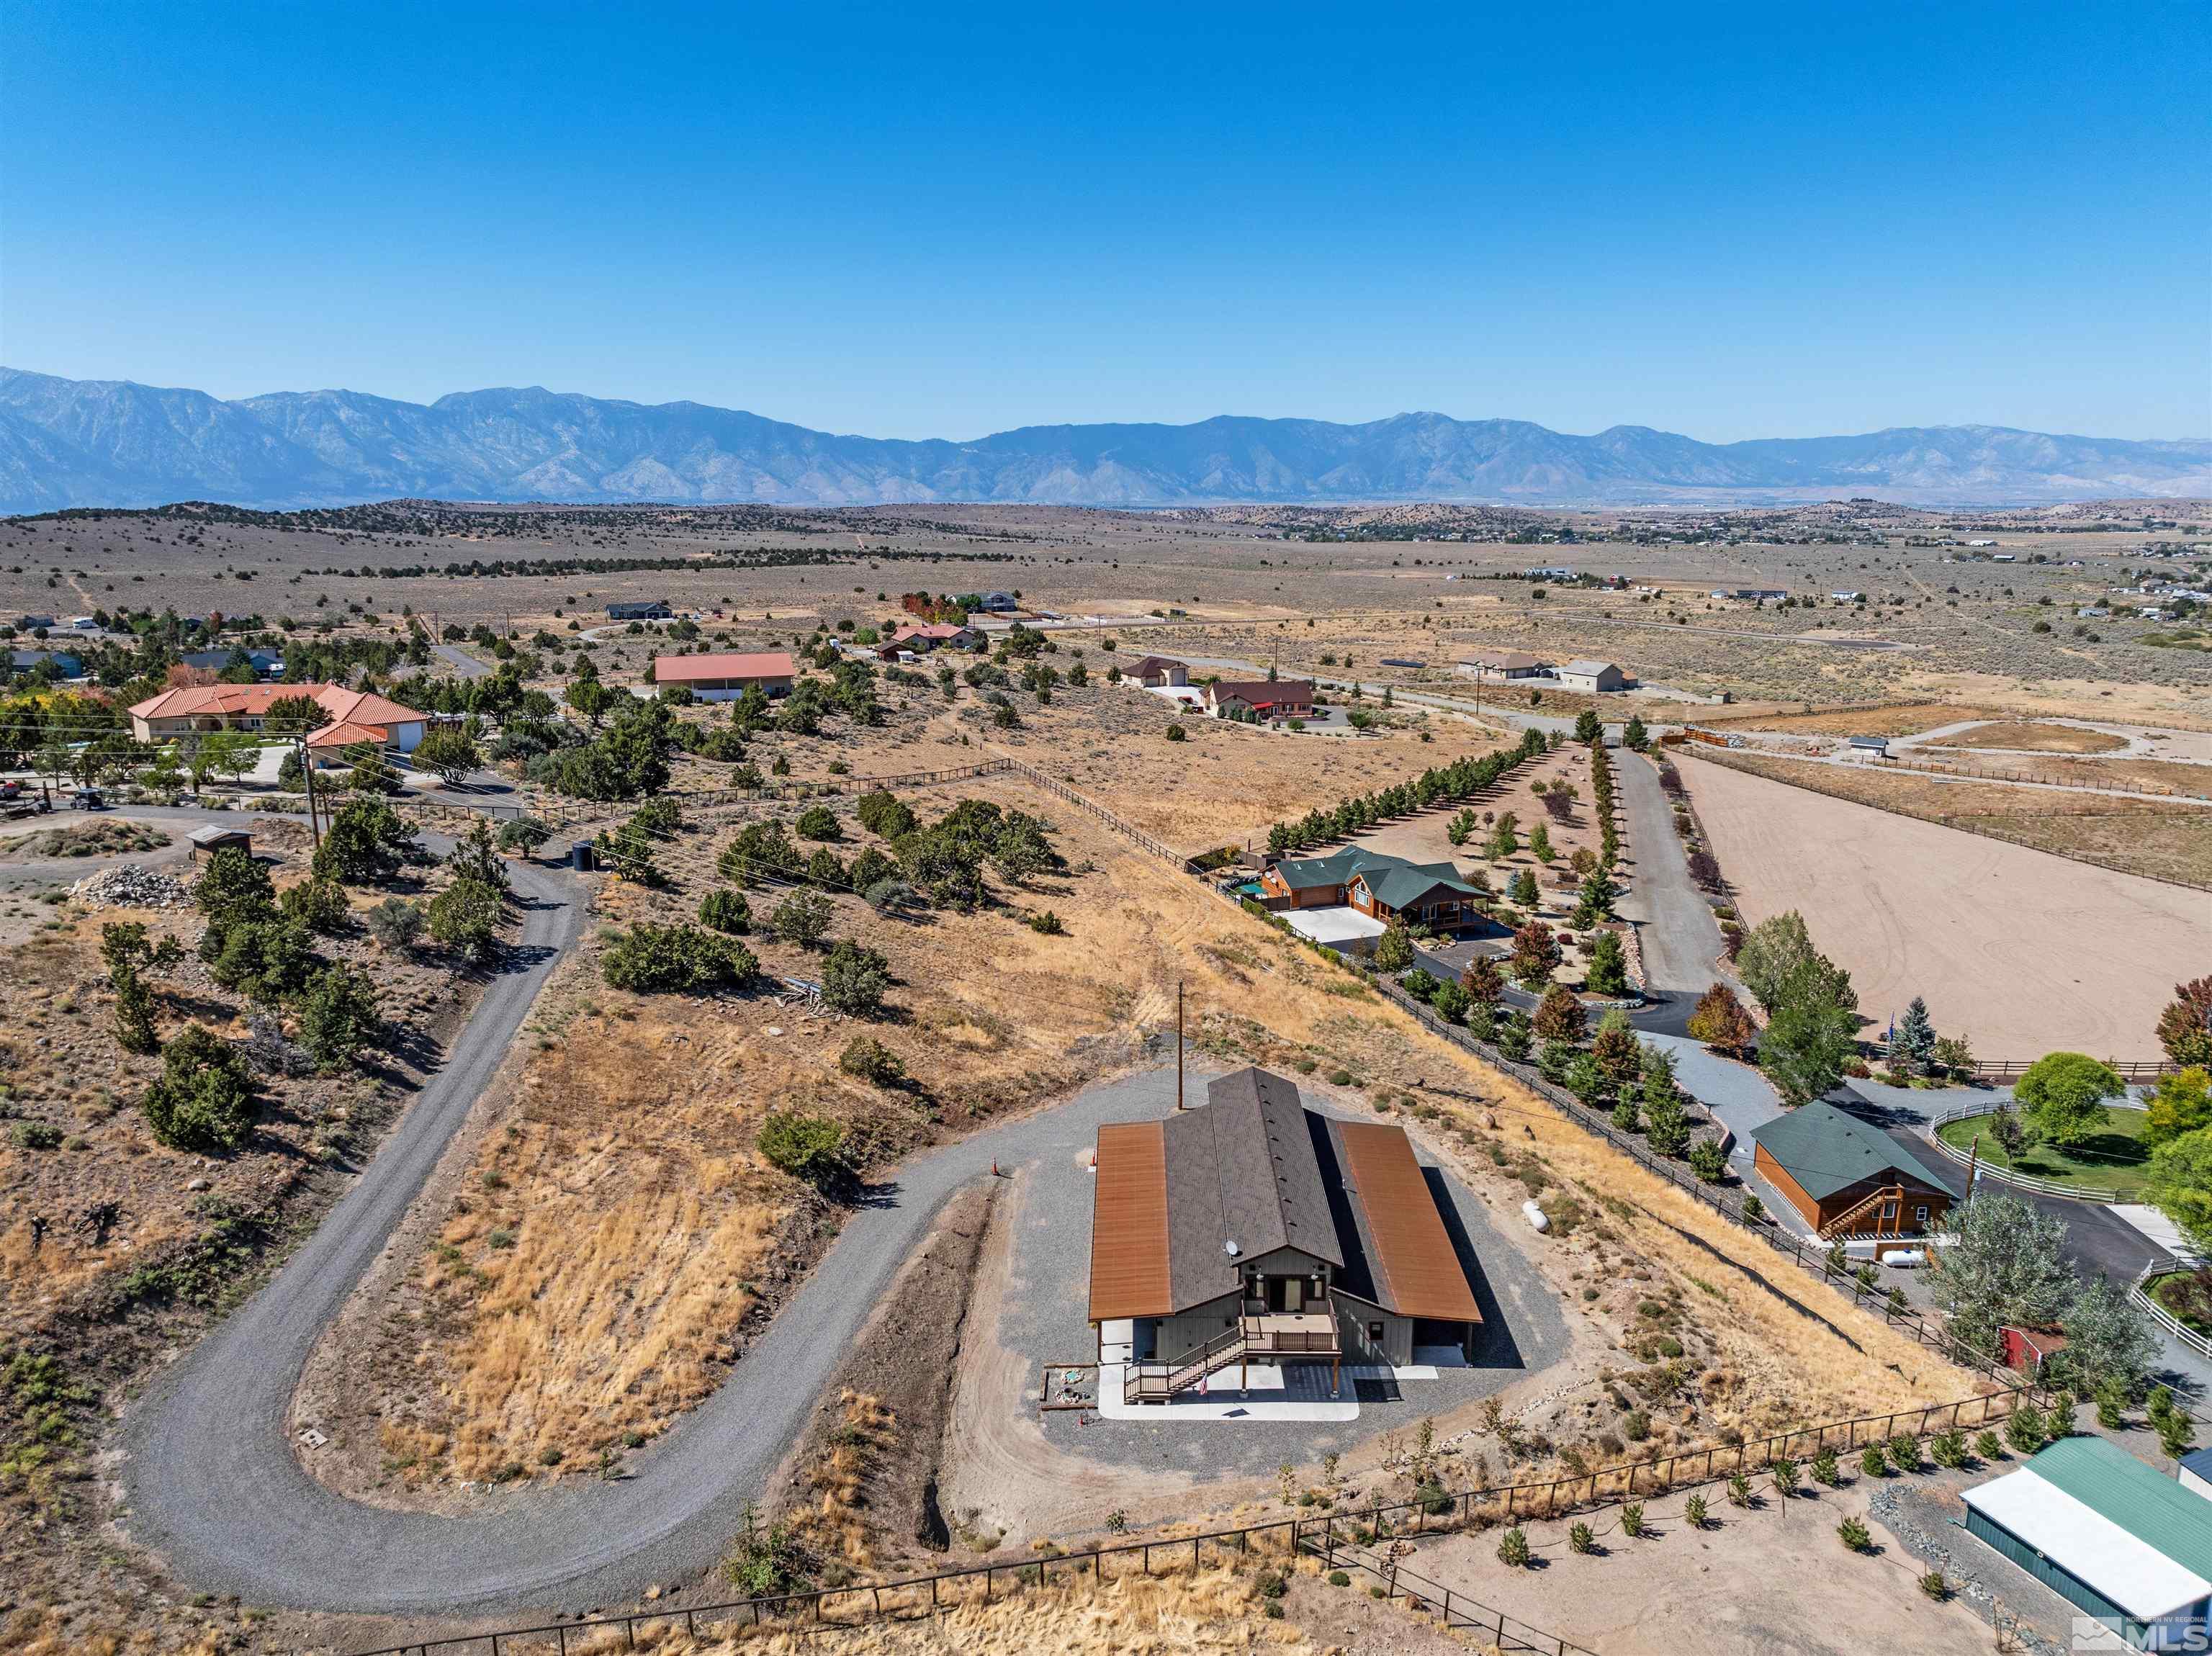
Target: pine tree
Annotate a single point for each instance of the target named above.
(134, 1011)
(1914, 1041)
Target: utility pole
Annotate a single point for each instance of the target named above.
(1973, 1164)
(1178, 1044)
(307, 781)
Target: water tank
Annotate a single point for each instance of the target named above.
(582, 856)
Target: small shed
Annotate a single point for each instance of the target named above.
(1876, 745)
(214, 836)
(2196, 1472)
(2027, 1349)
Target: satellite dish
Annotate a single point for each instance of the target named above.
(1231, 1249)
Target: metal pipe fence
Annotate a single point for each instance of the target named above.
(1964, 822)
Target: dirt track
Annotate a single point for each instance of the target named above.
(2021, 952)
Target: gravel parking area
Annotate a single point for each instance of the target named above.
(1042, 1315)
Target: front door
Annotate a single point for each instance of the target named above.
(1286, 1294)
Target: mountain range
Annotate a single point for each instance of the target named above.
(114, 443)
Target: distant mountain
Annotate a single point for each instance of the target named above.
(88, 442)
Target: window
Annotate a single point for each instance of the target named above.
(1374, 1333)
(1920, 1214)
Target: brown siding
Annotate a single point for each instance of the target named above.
(1792, 1192)
(1414, 1261)
(1868, 1223)
(1818, 1214)
(1129, 1224)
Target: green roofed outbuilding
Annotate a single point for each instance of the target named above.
(2126, 1544)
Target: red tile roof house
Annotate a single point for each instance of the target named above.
(1289, 698)
(354, 715)
(725, 677)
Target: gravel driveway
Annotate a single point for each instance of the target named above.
(1676, 931)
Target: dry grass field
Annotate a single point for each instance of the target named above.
(2166, 776)
(2020, 952)
(2031, 735)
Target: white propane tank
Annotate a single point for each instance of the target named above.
(1536, 1216)
(1906, 1259)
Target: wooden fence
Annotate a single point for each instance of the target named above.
(1439, 1513)
(1331, 1537)
(1128, 830)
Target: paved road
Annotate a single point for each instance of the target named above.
(460, 661)
(1676, 931)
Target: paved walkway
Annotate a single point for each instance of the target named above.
(1742, 1097)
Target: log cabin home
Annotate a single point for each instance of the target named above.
(1845, 1178)
(1384, 887)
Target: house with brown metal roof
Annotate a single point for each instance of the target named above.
(1254, 1230)
(725, 676)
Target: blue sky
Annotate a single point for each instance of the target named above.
(911, 220)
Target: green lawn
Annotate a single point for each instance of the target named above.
(2115, 1159)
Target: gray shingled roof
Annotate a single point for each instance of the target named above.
(1242, 1169)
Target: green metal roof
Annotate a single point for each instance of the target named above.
(1395, 880)
(1827, 1150)
(1398, 883)
(2150, 1506)
(1306, 872)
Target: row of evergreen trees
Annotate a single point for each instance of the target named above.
(1354, 815)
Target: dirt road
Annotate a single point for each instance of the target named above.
(2020, 952)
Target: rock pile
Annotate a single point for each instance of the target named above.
(131, 885)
